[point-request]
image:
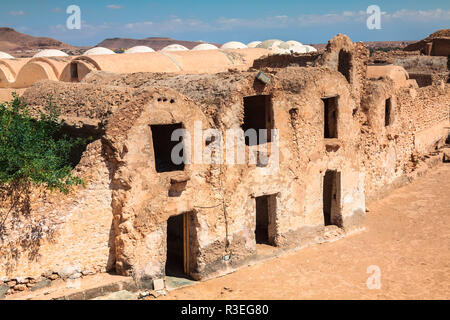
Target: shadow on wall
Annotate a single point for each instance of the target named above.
(111, 264)
(17, 215)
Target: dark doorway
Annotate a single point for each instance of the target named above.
(330, 117)
(258, 114)
(175, 246)
(163, 145)
(331, 198)
(265, 218)
(344, 64)
(387, 112)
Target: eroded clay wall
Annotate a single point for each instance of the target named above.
(418, 121)
(222, 197)
(62, 236)
(127, 203)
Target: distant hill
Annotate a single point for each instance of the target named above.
(420, 45)
(155, 43)
(20, 44)
(23, 45)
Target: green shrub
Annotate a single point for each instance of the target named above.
(34, 149)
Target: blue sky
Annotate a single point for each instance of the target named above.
(221, 21)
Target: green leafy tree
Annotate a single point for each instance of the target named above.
(33, 150)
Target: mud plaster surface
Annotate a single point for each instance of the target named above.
(407, 235)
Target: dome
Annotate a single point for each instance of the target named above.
(269, 44)
(139, 49)
(279, 50)
(175, 47)
(234, 45)
(4, 55)
(50, 53)
(294, 43)
(205, 46)
(310, 48)
(98, 51)
(275, 46)
(298, 49)
(253, 44)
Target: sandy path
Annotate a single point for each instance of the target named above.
(407, 236)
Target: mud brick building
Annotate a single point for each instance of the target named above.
(347, 131)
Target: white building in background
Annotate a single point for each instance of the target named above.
(205, 46)
(175, 47)
(253, 44)
(98, 51)
(234, 45)
(139, 49)
(4, 55)
(50, 53)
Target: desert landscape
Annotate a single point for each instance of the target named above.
(160, 169)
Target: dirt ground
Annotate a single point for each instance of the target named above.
(407, 236)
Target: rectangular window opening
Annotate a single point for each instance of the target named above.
(331, 198)
(387, 112)
(258, 114)
(330, 117)
(163, 146)
(265, 219)
(344, 64)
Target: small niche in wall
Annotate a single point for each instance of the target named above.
(388, 112)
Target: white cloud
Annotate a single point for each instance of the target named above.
(418, 15)
(138, 25)
(17, 13)
(114, 6)
(172, 25)
(330, 18)
(176, 24)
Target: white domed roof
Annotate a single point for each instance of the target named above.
(234, 45)
(174, 47)
(98, 51)
(50, 53)
(293, 43)
(275, 46)
(279, 50)
(298, 49)
(253, 44)
(310, 48)
(4, 55)
(139, 49)
(269, 44)
(205, 46)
